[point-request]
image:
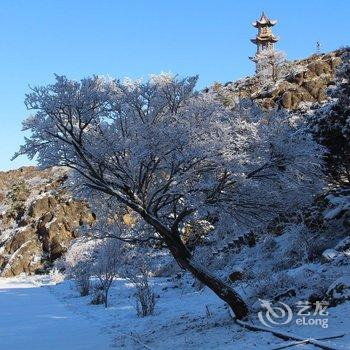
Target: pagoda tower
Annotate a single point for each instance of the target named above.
(265, 39)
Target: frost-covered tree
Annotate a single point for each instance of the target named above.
(78, 265)
(106, 267)
(331, 124)
(269, 64)
(172, 156)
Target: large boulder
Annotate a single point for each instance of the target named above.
(41, 206)
(27, 259)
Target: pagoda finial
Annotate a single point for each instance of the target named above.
(264, 20)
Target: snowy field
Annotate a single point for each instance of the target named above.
(33, 318)
(39, 315)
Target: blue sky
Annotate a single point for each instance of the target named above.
(137, 37)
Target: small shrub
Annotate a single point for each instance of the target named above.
(315, 248)
(81, 273)
(105, 268)
(98, 295)
(77, 264)
(145, 297)
(273, 286)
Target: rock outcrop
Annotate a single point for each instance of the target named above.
(305, 81)
(38, 219)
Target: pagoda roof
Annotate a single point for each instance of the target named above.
(261, 39)
(264, 20)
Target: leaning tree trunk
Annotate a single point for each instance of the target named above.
(218, 286)
(184, 258)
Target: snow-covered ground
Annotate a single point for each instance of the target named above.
(39, 315)
(33, 318)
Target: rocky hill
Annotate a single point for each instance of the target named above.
(302, 81)
(38, 219)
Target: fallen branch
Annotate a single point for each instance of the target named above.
(284, 346)
(331, 337)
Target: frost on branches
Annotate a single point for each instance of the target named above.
(173, 155)
(269, 64)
